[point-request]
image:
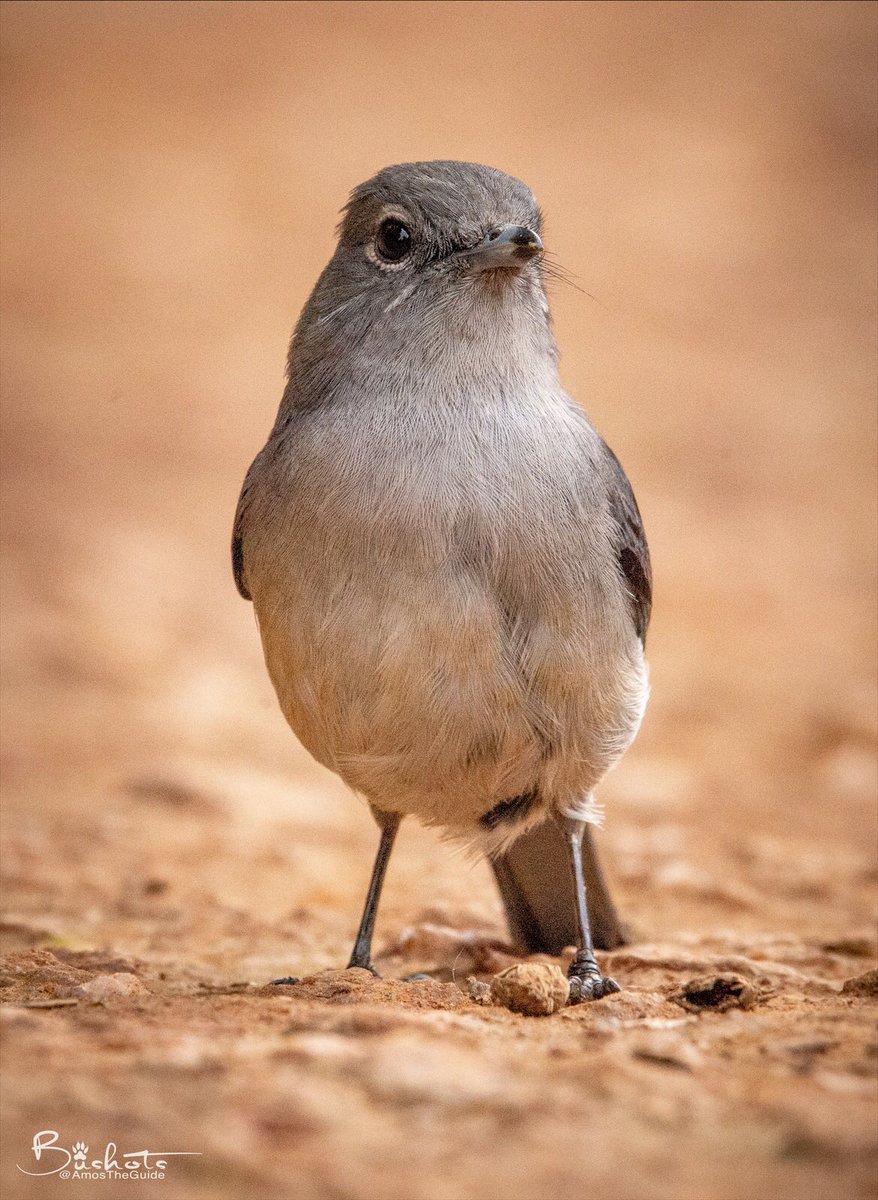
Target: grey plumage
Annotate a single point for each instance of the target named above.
(446, 561)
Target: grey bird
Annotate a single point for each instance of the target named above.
(446, 561)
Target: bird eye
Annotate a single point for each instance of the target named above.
(393, 240)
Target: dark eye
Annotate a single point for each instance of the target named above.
(393, 240)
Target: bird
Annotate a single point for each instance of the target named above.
(448, 566)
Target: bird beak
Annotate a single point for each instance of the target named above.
(505, 246)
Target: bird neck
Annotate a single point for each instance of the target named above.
(460, 348)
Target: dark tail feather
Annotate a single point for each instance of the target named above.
(537, 888)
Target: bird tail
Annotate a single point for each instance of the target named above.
(536, 884)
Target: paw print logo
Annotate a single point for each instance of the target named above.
(79, 1152)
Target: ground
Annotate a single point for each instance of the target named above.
(171, 178)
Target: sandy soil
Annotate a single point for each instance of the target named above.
(171, 177)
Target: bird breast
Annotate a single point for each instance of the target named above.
(438, 604)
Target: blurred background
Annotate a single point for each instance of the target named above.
(172, 175)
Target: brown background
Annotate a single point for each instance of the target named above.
(171, 178)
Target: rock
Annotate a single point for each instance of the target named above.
(718, 992)
(534, 988)
(861, 985)
(104, 989)
(478, 991)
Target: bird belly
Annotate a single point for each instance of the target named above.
(420, 692)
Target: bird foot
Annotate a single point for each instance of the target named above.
(587, 982)
(366, 966)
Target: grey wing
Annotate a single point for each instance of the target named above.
(631, 547)
(238, 528)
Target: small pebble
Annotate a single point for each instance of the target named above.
(104, 989)
(534, 988)
(478, 991)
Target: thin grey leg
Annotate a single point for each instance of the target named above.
(586, 981)
(361, 955)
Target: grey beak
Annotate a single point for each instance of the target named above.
(506, 245)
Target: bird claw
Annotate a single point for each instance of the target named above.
(587, 983)
(366, 966)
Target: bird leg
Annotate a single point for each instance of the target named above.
(586, 981)
(361, 956)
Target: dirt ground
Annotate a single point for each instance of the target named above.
(171, 176)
